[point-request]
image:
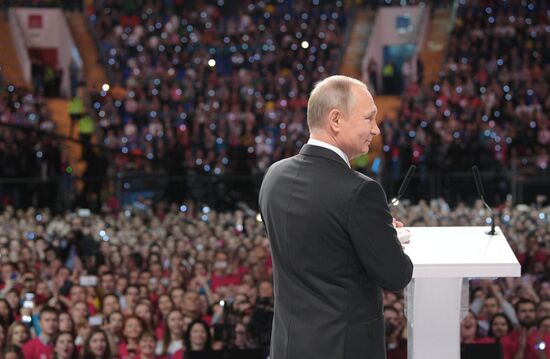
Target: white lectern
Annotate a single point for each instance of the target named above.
(442, 257)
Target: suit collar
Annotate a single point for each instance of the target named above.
(339, 152)
(317, 151)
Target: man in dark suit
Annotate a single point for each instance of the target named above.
(332, 236)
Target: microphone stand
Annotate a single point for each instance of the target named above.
(493, 231)
(481, 192)
(404, 185)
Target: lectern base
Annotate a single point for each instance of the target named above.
(433, 315)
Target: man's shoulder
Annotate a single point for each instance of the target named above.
(345, 175)
(361, 177)
(281, 165)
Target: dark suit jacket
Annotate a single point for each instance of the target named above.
(334, 248)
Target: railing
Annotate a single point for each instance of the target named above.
(523, 179)
(225, 191)
(520, 186)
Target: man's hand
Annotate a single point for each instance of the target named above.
(397, 224)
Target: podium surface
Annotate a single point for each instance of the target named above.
(439, 252)
(442, 257)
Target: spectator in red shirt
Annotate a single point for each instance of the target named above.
(18, 334)
(176, 294)
(197, 337)
(173, 334)
(165, 306)
(110, 303)
(97, 345)
(133, 327)
(517, 346)
(499, 330)
(499, 326)
(41, 347)
(63, 346)
(79, 312)
(147, 344)
(66, 323)
(221, 276)
(190, 305)
(541, 345)
(107, 283)
(131, 298)
(113, 328)
(144, 311)
(77, 293)
(470, 331)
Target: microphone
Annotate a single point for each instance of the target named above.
(404, 185)
(479, 186)
(403, 235)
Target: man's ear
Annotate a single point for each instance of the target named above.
(335, 120)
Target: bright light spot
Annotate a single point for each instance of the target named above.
(211, 62)
(305, 44)
(105, 87)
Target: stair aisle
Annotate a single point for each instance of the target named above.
(436, 44)
(94, 73)
(11, 68)
(357, 45)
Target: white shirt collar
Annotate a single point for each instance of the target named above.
(338, 151)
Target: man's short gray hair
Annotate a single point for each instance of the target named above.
(330, 93)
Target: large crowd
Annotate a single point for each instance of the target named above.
(222, 89)
(491, 102)
(219, 89)
(158, 280)
(225, 84)
(178, 277)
